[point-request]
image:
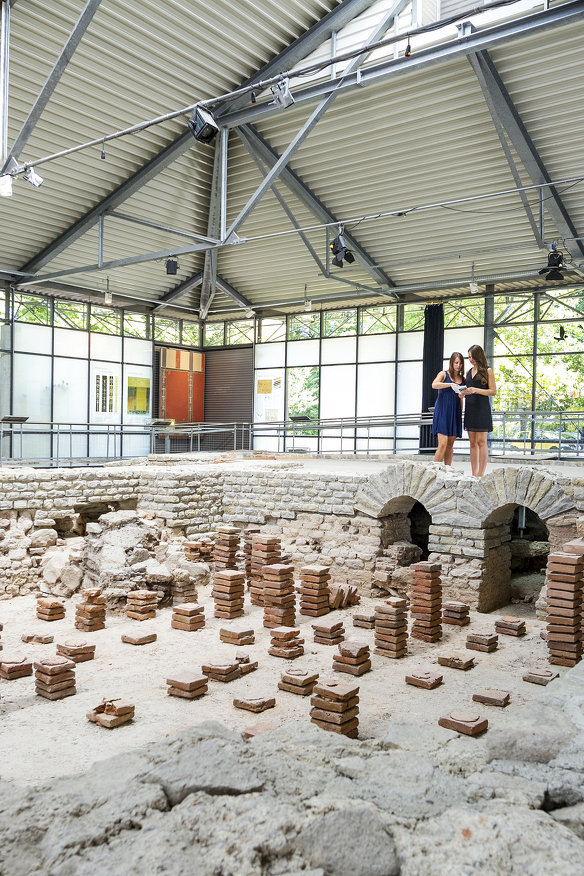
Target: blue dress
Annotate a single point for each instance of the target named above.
(447, 412)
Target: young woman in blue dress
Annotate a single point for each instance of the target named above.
(447, 421)
(478, 421)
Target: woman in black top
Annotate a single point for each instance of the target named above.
(478, 422)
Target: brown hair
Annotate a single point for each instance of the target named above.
(481, 363)
(451, 365)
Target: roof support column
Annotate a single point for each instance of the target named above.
(216, 221)
(4, 74)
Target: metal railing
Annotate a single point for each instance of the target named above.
(558, 435)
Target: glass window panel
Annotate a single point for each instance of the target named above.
(5, 334)
(137, 325)
(32, 397)
(167, 330)
(410, 345)
(378, 320)
(4, 315)
(106, 347)
(561, 304)
(70, 314)
(303, 352)
(338, 350)
(33, 338)
(70, 391)
(137, 351)
(409, 388)
(32, 308)
(413, 316)
(339, 322)
(137, 395)
(560, 383)
(105, 392)
(560, 337)
(513, 308)
(459, 340)
(269, 395)
(106, 320)
(375, 389)
(464, 312)
(337, 391)
(5, 368)
(377, 348)
(302, 392)
(271, 329)
(514, 379)
(191, 334)
(214, 334)
(303, 325)
(516, 340)
(240, 332)
(71, 343)
(270, 355)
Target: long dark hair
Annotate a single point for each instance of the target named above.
(451, 370)
(480, 360)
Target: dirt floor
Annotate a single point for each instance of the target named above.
(42, 739)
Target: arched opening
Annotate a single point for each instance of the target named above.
(420, 522)
(405, 531)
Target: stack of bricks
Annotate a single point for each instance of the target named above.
(353, 658)
(183, 587)
(426, 602)
(90, 612)
(226, 547)
(77, 650)
(245, 663)
(391, 628)
(228, 593)
(141, 605)
(237, 635)
(510, 626)
(279, 596)
(222, 672)
(455, 613)
(15, 666)
(565, 579)
(248, 535)
(314, 592)
(49, 609)
(329, 632)
(298, 681)
(189, 617)
(335, 707)
(195, 551)
(365, 620)
(187, 685)
(112, 713)
(266, 550)
(55, 677)
(286, 643)
(484, 641)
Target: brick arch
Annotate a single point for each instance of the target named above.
(400, 485)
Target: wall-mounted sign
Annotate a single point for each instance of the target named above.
(264, 386)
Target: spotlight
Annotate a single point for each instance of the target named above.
(171, 267)
(249, 314)
(108, 297)
(474, 287)
(102, 156)
(408, 51)
(555, 262)
(308, 305)
(5, 186)
(202, 125)
(340, 252)
(33, 178)
(253, 97)
(282, 94)
(562, 336)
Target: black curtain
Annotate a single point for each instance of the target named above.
(432, 363)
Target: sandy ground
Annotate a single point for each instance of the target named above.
(40, 739)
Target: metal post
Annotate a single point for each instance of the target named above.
(58, 438)
(1, 444)
(70, 444)
(4, 75)
(235, 436)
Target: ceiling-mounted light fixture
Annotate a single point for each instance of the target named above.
(555, 262)
(102, 156)
(5, 186)
(282, 94)
(474, 287)
(307, 301)
(33, 178)
(202, 125)
(249, 314)
(108, 297)
(171, 267)
(408, 51)
(340, 251)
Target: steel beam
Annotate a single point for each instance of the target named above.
(289, 57)
(215, 221)
(232, 292)
(255, 144)
(159, 226)
(566, 14)
(181, 289)
(503, 111)
(4, 77)
(52, 81)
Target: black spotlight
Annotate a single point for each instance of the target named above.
(340, 252)
(555, 264)
(202, 125)
(171, 266)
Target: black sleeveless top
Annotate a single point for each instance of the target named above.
(477, 408)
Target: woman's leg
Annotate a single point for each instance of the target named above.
(441, 449)
(473, 437)
(449, 450)
(483, 452)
